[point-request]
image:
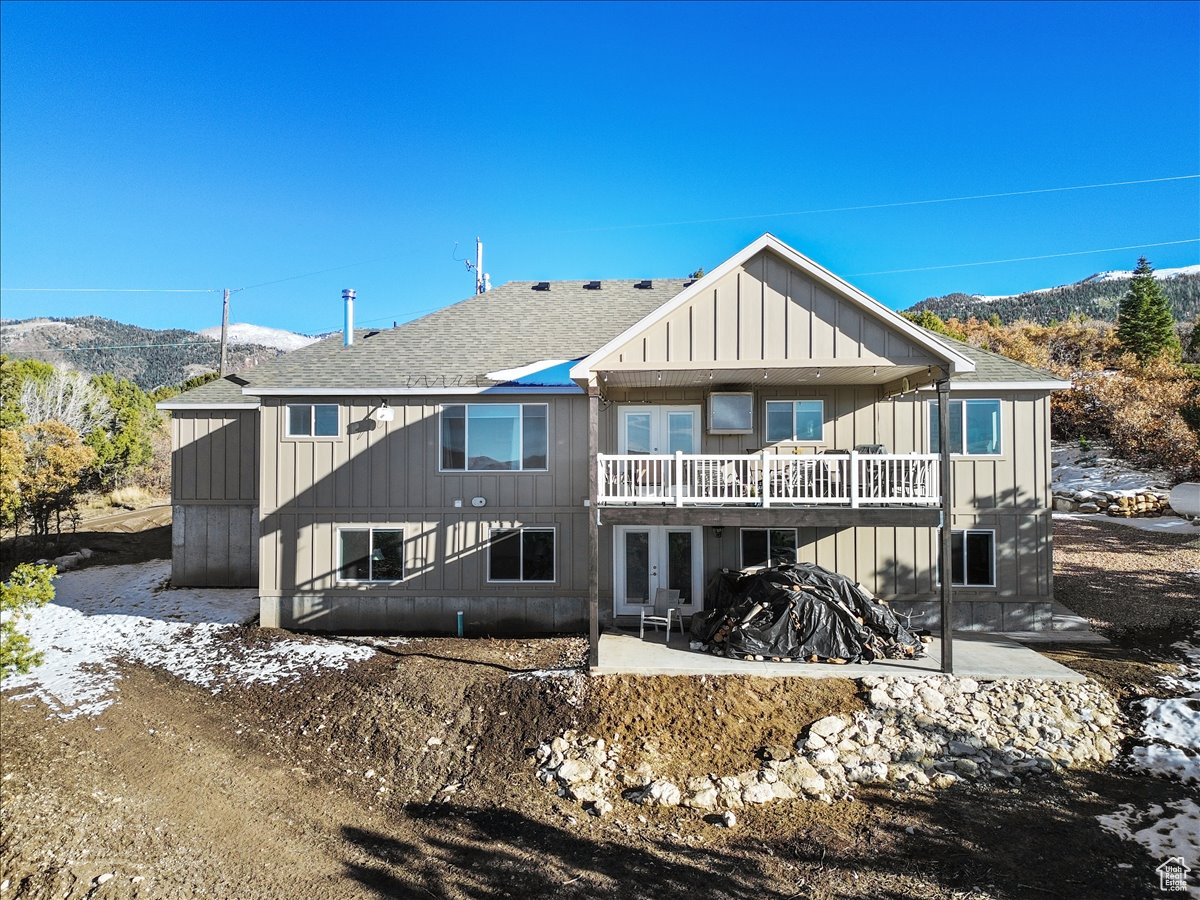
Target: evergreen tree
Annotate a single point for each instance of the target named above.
(1145, 325)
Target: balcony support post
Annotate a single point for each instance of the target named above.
(767, 474)
(947, 498)
(593, 517)
(854, 479)
(679, 478)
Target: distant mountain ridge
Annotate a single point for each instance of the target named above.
(149, 357)
(1096, 297)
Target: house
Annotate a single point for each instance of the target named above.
(544, 456)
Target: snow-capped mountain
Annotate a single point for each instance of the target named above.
(262, 335)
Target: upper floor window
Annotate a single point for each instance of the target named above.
(795, 420)
(974, 427)
(312, 420)
(482, 437)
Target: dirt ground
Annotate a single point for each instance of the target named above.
(408, 776)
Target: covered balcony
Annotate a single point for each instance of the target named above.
(850, 479)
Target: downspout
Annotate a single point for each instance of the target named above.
(947, 567)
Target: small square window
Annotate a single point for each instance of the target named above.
(312, 420)
(768, 546)
(795, 420)
(371, 554)
(972, 559)
(521, 554)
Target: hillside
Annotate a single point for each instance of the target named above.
(260, 335)
(149, 357)
(1096, 297)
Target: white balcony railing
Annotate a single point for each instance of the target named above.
(769, 479)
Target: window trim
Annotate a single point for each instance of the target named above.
(767, 528)
(312, 420)
(521, 529)
(931, 417)
(442, 470)
(970, 587)
(803, 442)
(370, 528)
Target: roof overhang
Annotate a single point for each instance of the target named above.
(177, 406)
(584, 372)
(385, 391)
(1048, 385)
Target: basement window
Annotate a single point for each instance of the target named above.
(521, 554)
(370, 554)
(311, 420)
(972, 559)
(768, 546)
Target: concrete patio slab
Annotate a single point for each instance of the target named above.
(985, 657)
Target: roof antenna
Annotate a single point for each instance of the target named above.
(483, 281)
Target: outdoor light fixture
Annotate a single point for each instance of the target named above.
(384, 413)
(718, 530)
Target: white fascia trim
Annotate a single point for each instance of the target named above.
(959, 364)
(169, 405)
(405, 392)
(1002, 386)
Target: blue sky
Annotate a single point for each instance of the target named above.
(201, 146)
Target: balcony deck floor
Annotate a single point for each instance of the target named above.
(984, 657)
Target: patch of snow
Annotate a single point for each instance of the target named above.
(1167, 524)
(1113, 275)
(1170, 829)
(13, 329)
(1075, 469)
(109, 613)
(245, 333)
(546, 673)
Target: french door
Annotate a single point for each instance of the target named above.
(649, 557)
(659, 429)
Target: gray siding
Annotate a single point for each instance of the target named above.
(214, 496)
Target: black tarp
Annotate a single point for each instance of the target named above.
(799, 612)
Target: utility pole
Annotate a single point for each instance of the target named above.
(224, 329)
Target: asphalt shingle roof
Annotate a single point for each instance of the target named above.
(515, 324)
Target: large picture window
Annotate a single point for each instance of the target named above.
(521, 554)
(768, 546)
(484, 437)
(370, 554)
(795, 420)
(974, 427)
(312, 420)
(972, 559)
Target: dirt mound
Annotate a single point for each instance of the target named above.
(696, 726)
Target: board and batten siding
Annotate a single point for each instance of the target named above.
(214, 498)
(388, 473)
(767, 311)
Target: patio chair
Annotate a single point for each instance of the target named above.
(717, 480)
(661, 613)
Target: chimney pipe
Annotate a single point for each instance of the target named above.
(478, 266)
(348, 295)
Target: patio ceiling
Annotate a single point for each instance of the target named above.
(741, 376)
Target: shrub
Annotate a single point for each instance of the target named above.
(28, 587)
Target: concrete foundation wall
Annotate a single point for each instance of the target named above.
(373, 614)
(214, 545)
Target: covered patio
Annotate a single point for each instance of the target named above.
(984, 657)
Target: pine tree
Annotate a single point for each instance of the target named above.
(1145, 325)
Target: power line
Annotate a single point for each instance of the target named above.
(362, 262)
(900, 203)
(122, 347)
(113, 290)
(992, 262)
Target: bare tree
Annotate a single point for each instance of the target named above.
(66, 397)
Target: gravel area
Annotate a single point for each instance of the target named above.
(1125, 580)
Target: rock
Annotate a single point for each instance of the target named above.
(575, 770)
(813, 742)
(558, 745)
(879, 697)
(782, 792)
(933, 700)
(1088, 508)
(85, 553)
(662, 792)
(968, 685)
(728, 819)
(943, 780)
(600, 808)
(586, 792)
(434, 742)
(826, 757)
(761, 792)
(703, 799)
(959, 748)
(542, 753)
(69, 561)
(827, 727)
(967, 767)
(903, 690)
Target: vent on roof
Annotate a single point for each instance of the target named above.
(645, 285)
(542, 286)
(592, 285)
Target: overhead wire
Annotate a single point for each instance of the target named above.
(992, 262)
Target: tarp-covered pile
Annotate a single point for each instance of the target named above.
(801, 613)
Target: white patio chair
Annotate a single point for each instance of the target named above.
(661, 613)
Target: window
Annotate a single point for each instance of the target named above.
(312, 420)
(768, 546)
(795, 420)
(521, 554)
(730, 413)
(481, 437)
(974, 427)
(972, 559)
(370, 554)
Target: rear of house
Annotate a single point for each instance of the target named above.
(543, 457)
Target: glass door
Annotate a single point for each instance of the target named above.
(650, 557)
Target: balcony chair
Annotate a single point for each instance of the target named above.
(661, 613)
